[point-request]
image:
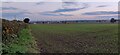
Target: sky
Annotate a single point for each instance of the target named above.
(60, 0)
(65, 10)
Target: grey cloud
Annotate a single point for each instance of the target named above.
(12, 14)
(101, 13)
(53, 14)
(107, 17)
(70, 3)
(58, 11)
(72, 9)
(102, 6)
(39, 3)
(9, 8)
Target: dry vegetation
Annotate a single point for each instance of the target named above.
(10, 30)
(16, 37)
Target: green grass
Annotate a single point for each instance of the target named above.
(25, 43)
(76, 38)
(73, 27)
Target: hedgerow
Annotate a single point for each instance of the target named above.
(16, 38)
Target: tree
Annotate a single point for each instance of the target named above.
(112, 20)
(26, 20)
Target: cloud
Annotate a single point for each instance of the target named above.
(13, 14)
(67, 10)
(58, 11)
(101, 13)
(71, 3)
(14, 10)
(8, 8)
(108, 17)
(7, 2)
(54, 14)
(102, 6)
(72, 9)
(39, 3)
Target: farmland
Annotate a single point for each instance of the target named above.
(76, 38)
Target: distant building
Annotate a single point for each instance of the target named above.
(34, 23)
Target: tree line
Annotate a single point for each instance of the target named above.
(26, 20)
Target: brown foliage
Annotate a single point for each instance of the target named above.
(10, 30)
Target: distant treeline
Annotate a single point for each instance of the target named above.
(74, 21)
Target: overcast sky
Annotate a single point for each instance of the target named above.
(60, 0)
(60, 10)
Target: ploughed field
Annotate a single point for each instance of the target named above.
(76, 38)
